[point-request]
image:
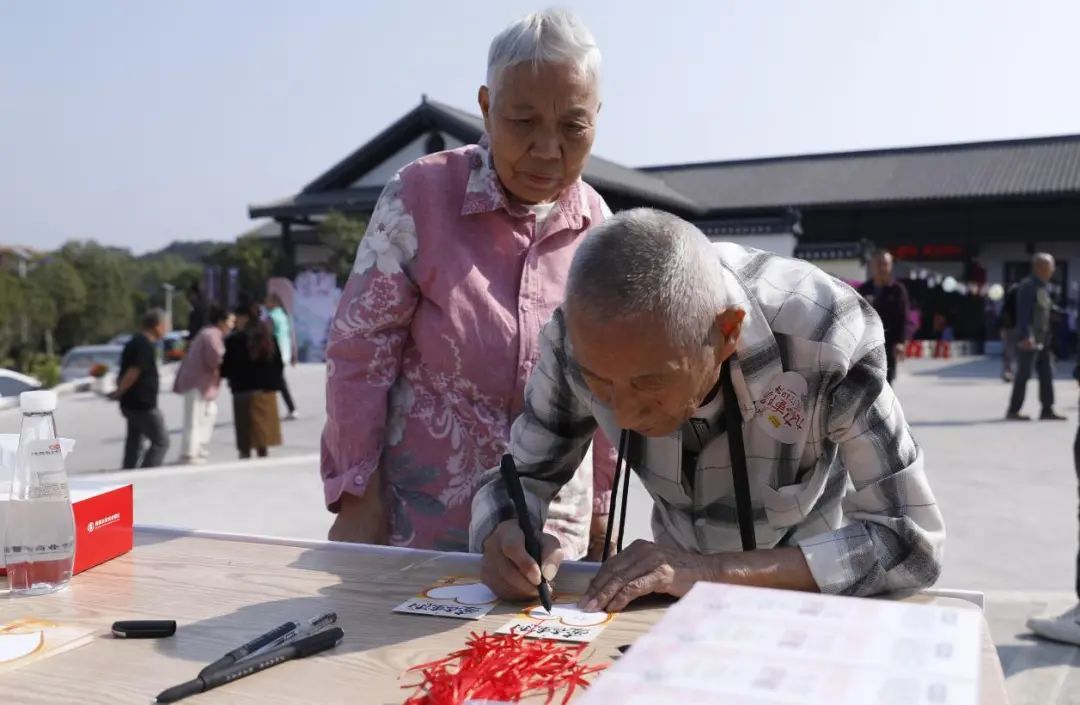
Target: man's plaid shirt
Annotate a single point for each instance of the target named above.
(850, 492)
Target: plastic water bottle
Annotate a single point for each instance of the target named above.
(39, 544)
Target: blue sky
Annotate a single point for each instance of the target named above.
(138, 123)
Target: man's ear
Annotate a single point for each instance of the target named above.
(725, 332)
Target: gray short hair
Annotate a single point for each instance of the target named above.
(550, 36)
(645, 261)
(152, 318)
(1043, 257)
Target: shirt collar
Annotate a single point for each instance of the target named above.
(757, 356)
(484, 192)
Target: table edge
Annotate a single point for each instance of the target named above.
(365, 548)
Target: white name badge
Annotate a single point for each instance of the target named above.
(782, 410)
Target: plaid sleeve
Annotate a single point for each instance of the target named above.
(548, 440)
(895, 535)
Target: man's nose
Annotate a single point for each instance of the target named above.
(627, 407)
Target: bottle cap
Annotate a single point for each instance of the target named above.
(37, 402)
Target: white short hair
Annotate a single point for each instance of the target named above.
(550, 36)
(645, 261)
(1043, 258)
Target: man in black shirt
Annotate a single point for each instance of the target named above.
(137, 391)
(890, 299)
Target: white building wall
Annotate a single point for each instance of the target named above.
(409, 153)
(780, 243)
(993, 256)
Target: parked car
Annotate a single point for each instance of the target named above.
(121, 339)
(173, 345)
(13, 383)
(82, 359)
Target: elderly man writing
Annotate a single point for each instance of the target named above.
(656, 321)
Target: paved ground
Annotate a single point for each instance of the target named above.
(99, 429)
(1008, 491)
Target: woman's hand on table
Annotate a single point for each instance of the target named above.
(362, 518)
(641, 569)
(597, 537)
(508, 569)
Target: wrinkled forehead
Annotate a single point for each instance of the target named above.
(565, 83)
(622, 348)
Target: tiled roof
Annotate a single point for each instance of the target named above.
(1027, 167)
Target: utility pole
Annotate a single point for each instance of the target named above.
(168, 303)
(21, 258)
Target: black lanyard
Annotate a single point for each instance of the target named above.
(740, 478)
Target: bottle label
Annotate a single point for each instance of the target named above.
(47, 477)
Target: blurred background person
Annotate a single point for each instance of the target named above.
(283, 334)
(252, 364)
(1065, 627)
(890, 299)
(198, 380)
(137, 390)
(1034, 308)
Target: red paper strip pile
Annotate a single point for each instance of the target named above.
(501, 667)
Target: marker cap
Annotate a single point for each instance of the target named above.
(144, 629)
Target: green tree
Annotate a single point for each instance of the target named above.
(152, 273)
(11, 306)
(56, 281)
(108, 275)
(342, 235)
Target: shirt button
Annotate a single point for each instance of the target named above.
(699, 522)
(525, 306)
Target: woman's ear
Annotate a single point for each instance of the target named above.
(483, 98)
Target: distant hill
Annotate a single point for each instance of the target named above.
(189, 250)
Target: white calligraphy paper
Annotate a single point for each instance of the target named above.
(565, 622)
(455, 596)
(723, 643)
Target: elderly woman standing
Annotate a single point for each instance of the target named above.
(464, 259)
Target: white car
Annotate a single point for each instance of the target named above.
(80, 360)
(13, 383)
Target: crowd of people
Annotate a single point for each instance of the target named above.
(248, 347)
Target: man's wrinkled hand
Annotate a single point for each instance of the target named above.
(642, 569)
(1028, 344)
(508, 569)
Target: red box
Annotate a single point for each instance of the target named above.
(104, 515)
